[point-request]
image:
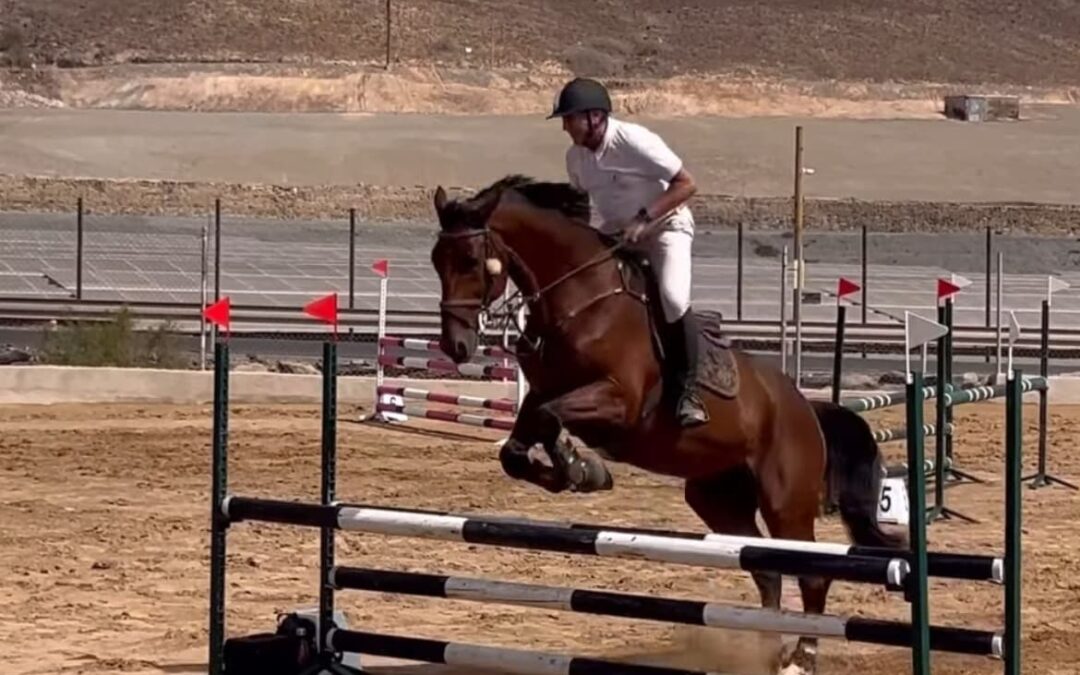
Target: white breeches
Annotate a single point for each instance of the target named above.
(669, 255)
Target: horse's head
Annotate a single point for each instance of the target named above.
(472, 269)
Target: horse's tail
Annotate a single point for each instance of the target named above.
(853, 469)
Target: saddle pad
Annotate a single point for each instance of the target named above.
(717, 369)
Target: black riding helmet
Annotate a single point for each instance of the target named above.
(579, 95)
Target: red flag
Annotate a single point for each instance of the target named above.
(846, 287)
(219, 313)
(381, 267)
(946, 288)
(324, 309)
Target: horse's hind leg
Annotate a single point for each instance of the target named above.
(728, 503)
(789, 500)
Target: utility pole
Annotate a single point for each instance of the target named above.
(388, 34)
(798, 262)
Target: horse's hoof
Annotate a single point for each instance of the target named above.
(799, 660)
(589, 473)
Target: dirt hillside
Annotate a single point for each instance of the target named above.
(960, 41)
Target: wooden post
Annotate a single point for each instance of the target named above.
(388, 34)
(798, 285)
(79, 251)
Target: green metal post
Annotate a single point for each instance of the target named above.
(941, 418)
(329, 479)
(918, 584)
(943, 457)
(955, 474)
(1041, 478)
(219, 523)
(948, 373)
(838, 352)
(1013, 505)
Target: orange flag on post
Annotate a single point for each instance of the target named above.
(324, 309)
(845, 287)
(219, 313)
(946, 289)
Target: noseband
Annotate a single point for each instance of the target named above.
(482, 303)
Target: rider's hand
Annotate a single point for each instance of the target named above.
(638, 228)
(635, 232)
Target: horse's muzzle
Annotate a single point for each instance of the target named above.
(458, 344)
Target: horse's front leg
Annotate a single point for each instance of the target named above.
(595, 413)
(531, 429)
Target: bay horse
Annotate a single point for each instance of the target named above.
(593, 366)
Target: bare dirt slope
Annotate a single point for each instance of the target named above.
(103, 544)
(969, 41)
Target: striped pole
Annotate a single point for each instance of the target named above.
(417, 344)
(970, 567)
(469, 369)
(502, 404)
(482, 657)
(447, 416)
(755, 555)
(955, 397)
(883, 400)
(987, 392)
(901, 470)
(854, 629)
(898, 433)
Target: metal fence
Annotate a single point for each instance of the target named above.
(76, 266)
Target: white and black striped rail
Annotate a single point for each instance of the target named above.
(750, 554)
(970, 567)
(888, 399)
(854, 629)
(900, 433)
(481, 657)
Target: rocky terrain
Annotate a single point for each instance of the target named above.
(961, 41)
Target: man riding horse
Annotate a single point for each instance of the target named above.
(588, 350)
(639, 188)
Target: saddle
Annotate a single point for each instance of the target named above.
(717, 369)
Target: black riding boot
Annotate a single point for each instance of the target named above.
(683, 353)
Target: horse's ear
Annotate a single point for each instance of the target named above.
(440, 199)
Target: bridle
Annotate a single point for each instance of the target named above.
(451, 307)
(511, 307)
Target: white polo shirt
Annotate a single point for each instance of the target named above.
(631, 168)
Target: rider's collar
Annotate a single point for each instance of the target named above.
(609, 133)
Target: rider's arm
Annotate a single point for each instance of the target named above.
(679, 191)
(659, 161)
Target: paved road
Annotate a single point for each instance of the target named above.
(1035, 160)
(287, 264)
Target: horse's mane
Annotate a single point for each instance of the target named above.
(562, 197)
